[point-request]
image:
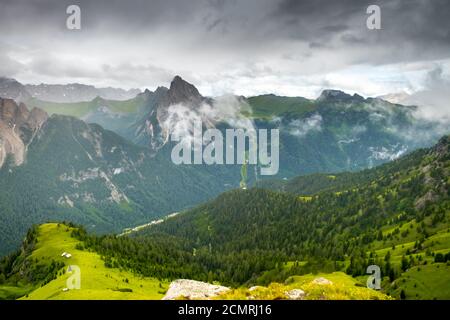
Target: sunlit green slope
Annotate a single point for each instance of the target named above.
(97, 281)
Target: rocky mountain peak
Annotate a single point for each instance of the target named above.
(146, 94)
(152, 128)
(181, 91)
(338, 95)
(37, 117)
(161, 89)
(12, 113)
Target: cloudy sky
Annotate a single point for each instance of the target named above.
(248, 47)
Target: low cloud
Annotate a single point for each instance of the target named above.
(434, 100)
(391, 153)
(301, 127)
(180, 118)
(9, 66)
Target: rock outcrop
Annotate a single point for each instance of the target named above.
(295, 294)
(181, 91)
(18, 126)
(192, 290)
(322, 281)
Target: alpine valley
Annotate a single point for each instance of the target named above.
(88, 170)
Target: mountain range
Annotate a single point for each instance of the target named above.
(74, 92)
(106, 163)
(335, 132)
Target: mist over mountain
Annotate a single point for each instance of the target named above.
(432, 99)
(174, 111)
(335, 132)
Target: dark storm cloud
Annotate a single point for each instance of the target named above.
(206, 39)
(421, 21)
(115, 14)
(412, 29)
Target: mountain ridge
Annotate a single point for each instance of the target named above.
(71, 92)
(109, 181)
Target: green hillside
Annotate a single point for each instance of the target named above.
(47, 242)
(429, 282)
(396, 216)
(269, 106)
(341, 287)
(97, 281)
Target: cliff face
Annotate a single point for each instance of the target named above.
(18, 126)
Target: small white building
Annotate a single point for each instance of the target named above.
(66, 255)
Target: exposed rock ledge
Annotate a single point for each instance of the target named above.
(197, 290)
(191, 289)
(322, 281)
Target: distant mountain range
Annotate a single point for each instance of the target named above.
(353, 132)
(335, 132)
(74, 92)
(106, 163)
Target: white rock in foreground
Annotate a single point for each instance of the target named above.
(191, 289)
(295, 294)
(254, 288)
(322, 281)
